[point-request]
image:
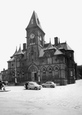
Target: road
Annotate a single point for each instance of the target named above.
(63, 100)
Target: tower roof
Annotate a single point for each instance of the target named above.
(34, 22)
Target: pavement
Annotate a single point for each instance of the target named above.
(62, 100)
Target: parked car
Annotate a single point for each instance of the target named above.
(49, 84)
(32, 85)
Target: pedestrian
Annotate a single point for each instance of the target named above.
(2, 86)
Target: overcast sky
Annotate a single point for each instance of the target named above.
(62, 18)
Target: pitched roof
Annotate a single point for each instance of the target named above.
(14, 53)
(50, 47)
(11, 59)
(46, 45)
(63, 46)
(57, 52)
(19, 51)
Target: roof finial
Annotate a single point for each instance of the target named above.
(19, 48)
(15, 52)
(50, 40)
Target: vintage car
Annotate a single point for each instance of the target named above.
(49, 84)
(32, 85)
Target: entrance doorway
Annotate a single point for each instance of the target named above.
(33, 72)
(35, 76)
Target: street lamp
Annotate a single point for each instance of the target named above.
(39, 80)
(15, 71)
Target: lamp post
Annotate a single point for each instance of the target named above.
(39, 80)
(15, 71)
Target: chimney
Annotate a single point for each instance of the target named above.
(56, 41)
(24, 46)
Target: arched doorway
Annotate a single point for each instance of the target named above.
(33, 73)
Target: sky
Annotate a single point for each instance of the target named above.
(61, 18)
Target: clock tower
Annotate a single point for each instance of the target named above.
(34, 38)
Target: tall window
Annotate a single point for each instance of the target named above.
(71, 73)
(32, 41)
(49, 60)
(44, 70)
(35, 55)
(49, 69)
(56, 72)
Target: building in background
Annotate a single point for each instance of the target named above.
(39, 61)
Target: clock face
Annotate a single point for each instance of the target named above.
(32, 36)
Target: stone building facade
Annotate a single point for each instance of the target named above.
(39, 61)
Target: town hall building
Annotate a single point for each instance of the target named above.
(40, 61)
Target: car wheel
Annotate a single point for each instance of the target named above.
(40, 88)
(44, 86)
(35, 88)
(52, 86)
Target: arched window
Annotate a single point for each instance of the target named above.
(56, 68)
(43, 70)
(49, 69)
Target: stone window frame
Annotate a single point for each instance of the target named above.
(48, 69)
(49, 59)
(71, 73)
(43, 70)
(18, 72)
(13, 73)
(12, 64)
(56, 68)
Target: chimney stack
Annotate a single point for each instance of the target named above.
(56, 41)
(24, 46)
